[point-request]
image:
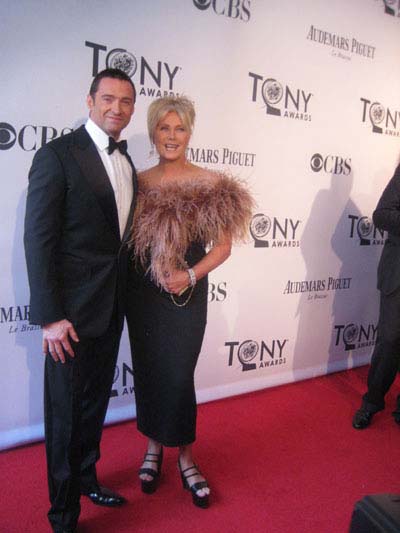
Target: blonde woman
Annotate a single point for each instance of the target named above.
(186, 220)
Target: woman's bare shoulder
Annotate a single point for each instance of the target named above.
(203, 173)
(148, 176)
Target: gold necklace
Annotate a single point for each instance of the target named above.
(186, 301)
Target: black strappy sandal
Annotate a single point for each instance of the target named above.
(199, 501)
(150, 486)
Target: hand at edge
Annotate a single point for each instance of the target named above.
(56, 339)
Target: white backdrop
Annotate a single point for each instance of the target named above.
(300, 99)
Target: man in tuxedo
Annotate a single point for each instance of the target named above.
(386, 357)
(80, 203)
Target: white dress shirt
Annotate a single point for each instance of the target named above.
(119, 171)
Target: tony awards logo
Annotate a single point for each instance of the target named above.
(259, 229)
(364, 230)
(252, 354)
(123, 60)
(350, 335)
(114, 392)
(273, 232)
(272, 93)
(382, 119)
(355, 336)
(392, 7)
(123, 381)
(376, 116)
(246, 353)
(281, 100)
(156, 78)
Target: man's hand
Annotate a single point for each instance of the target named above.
(56, 339)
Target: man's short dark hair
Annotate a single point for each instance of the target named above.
(110, 73)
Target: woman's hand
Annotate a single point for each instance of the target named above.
(176, 281)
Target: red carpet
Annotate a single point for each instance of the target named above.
(280, 460)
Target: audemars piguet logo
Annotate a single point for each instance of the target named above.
(317, 288)
(224, 156)
(16, 318)
(342, 46)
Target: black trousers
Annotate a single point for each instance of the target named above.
(76, 400)
(386, 356)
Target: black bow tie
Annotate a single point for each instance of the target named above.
(122, 146)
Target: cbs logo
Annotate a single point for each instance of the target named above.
(29, 137)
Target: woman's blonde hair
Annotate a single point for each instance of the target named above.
(181, 105)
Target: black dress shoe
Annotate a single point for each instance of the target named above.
(362, 418)
(103, 496)
(396, 416)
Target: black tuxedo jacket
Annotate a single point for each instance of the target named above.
(387, 217)
(77, 263)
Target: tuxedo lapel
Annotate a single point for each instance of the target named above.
(91, 165)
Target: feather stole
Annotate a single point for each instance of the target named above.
(169, 217)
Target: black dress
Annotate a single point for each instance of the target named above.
(173, 225)
(166, 340)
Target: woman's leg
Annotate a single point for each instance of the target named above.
(150, 461)
(186, 462)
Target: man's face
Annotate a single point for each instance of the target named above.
(112, 106)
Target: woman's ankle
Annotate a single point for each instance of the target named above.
(153, 447)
